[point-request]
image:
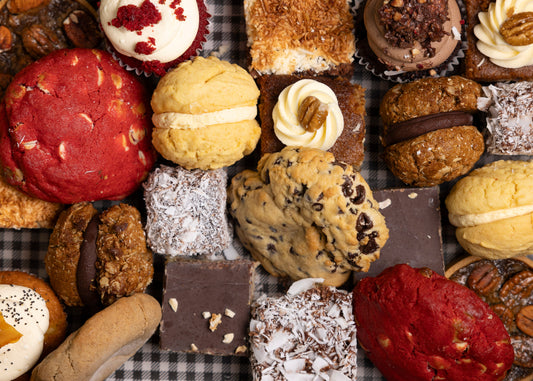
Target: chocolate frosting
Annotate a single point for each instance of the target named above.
(86, 271)
(412, 128)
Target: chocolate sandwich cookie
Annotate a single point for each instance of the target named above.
(428, 129)
(94, 259)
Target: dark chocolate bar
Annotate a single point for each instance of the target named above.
(415, 234)
(206, 306)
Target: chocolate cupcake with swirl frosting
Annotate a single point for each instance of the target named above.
(408, 39)
(429, 136)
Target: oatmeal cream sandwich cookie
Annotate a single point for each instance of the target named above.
(428, 129)
(302, 214)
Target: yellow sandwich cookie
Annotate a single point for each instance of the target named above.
(204, 114)
(492, 209)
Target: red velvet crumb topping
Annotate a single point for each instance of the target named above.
(135, 18)
(178, 11)
(145, 47)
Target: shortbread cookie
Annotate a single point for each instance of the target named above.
(492, 209)
(281, 350)
(302, 214)
(186, 211)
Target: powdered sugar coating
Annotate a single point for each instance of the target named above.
(307, 336)
(186, 211)
(510, 117)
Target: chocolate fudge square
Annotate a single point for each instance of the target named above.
(477, 66)
(206, 306)
(349, 147)
(415, 235)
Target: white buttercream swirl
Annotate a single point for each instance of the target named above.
(285, 114)
(172, 37)
(490, 41)
(26, 311)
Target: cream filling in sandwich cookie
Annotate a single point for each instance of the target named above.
(492, 43)
(150, 30)
(183, 121)
(288, 126)
(485, 218)
(24, 310)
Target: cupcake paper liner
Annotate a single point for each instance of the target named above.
(367, 58)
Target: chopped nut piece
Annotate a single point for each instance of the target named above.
(312, 113)
(241, 349)
(173, 304)
(194, 348)
(228, 338)
(206, 314)
(229, 313)
(412, 195)
(215, 321)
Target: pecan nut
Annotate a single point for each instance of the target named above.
(484, 279)
(21, 6)
(6, 39)
(518, 290)
(82, 29)
(312, 113)
(524, 320)
(517, 30)
(39, 41)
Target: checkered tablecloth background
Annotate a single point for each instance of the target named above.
(25, 249)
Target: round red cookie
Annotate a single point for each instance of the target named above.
(75, 126)
(417, 325)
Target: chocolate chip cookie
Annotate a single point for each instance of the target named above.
(303, 214)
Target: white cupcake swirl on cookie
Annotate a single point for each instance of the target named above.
(490, 41)
(285, 114)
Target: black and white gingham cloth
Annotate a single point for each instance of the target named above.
(25, 249)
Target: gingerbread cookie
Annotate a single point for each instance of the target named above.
(303, 214)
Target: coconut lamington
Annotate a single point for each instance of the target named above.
(300, 36)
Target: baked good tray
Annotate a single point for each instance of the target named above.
(25, 249)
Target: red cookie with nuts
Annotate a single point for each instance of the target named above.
(417, 325)
(75, 126)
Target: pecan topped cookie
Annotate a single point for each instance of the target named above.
(303, 214)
